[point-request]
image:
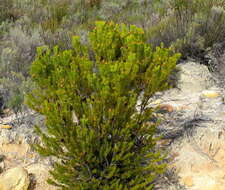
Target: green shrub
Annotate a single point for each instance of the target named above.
(95, 128)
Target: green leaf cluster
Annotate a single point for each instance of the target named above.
(96, 130)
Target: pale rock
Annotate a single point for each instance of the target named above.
(210, 94)
(207, 183)
(188, 181)
(194, 77)
(14, 179)
(41, 174)
(196, 128)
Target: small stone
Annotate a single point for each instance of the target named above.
(31, 155)
(164, 142)
(156, 102)
(210, 94)
(188, 181)
(5, 126)
(165, 108)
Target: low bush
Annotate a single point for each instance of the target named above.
(95, 129)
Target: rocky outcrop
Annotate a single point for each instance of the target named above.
(16, 136)
(14, 179)
(193, 78)
(193, 131)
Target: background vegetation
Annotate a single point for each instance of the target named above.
(189, 26)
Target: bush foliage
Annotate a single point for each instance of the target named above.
(95, 129)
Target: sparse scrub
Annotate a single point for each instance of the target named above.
(15, 89)
(93, 3)
(190, 26)
(6, 12)
(17, 51)
(95, 129)
(56, 12)
(214, 30)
